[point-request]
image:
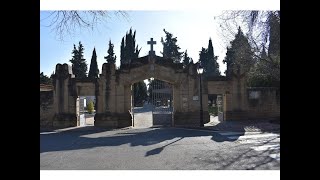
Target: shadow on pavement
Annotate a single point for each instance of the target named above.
(262, 158)
(89, 137)
(85, 138)
(264, 126)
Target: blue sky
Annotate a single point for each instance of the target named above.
(192, 28)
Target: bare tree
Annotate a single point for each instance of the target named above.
(255, 24)
(64, 23)
(262, 28)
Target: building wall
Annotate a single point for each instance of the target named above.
(263, 103)
(46, 108)
(241, 102)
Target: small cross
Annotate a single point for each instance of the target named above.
(151, 42)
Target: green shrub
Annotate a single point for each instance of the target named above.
(90, 107)
(213, 110)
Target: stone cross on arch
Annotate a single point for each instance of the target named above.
(151, 42)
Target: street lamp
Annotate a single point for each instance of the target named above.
(200, 71)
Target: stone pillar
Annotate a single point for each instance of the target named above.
(176, 97)
(127, 97)
(64, 100)
(112, 100)
(100, 94)
(191, 116)
(206, 117)
(227, 105)
(238, 97)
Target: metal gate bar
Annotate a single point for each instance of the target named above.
(162, 103)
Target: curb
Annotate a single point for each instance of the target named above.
(227, 130)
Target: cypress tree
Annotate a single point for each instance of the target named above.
(93, 71)
(122, 52)
(128, 49)
(211, 68)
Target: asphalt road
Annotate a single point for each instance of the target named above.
(89, 148)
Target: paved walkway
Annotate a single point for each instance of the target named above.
(242, 126)
(143, 116)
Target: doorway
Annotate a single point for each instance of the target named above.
(152, 103)
(86, 108)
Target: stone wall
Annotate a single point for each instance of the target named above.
(260, 103)
(218, 86)
(85, 88)
(263, 103)
(46, 108)
(113, 94)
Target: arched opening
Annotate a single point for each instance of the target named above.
(152, 103)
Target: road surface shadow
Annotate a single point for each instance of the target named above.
(264, 126)
(85, 138)
(245, 159)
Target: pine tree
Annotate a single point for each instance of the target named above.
(74, 59)
(111, 58)
(79, 65)
(128, 49)
(186, 59)
(170, 48)
(239, 55)
(93, 71)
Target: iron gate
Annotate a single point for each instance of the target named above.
(82, 118)
(161, 100)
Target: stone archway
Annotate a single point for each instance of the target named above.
(114, 101)
(113, 93)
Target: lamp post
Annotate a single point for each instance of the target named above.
(200, 71)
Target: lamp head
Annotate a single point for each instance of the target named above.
(200, 69)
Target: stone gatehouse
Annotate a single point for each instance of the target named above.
(113, 92)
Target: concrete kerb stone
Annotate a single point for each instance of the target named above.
(84, 128)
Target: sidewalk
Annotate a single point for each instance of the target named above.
(242, 126)
(214, 125)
